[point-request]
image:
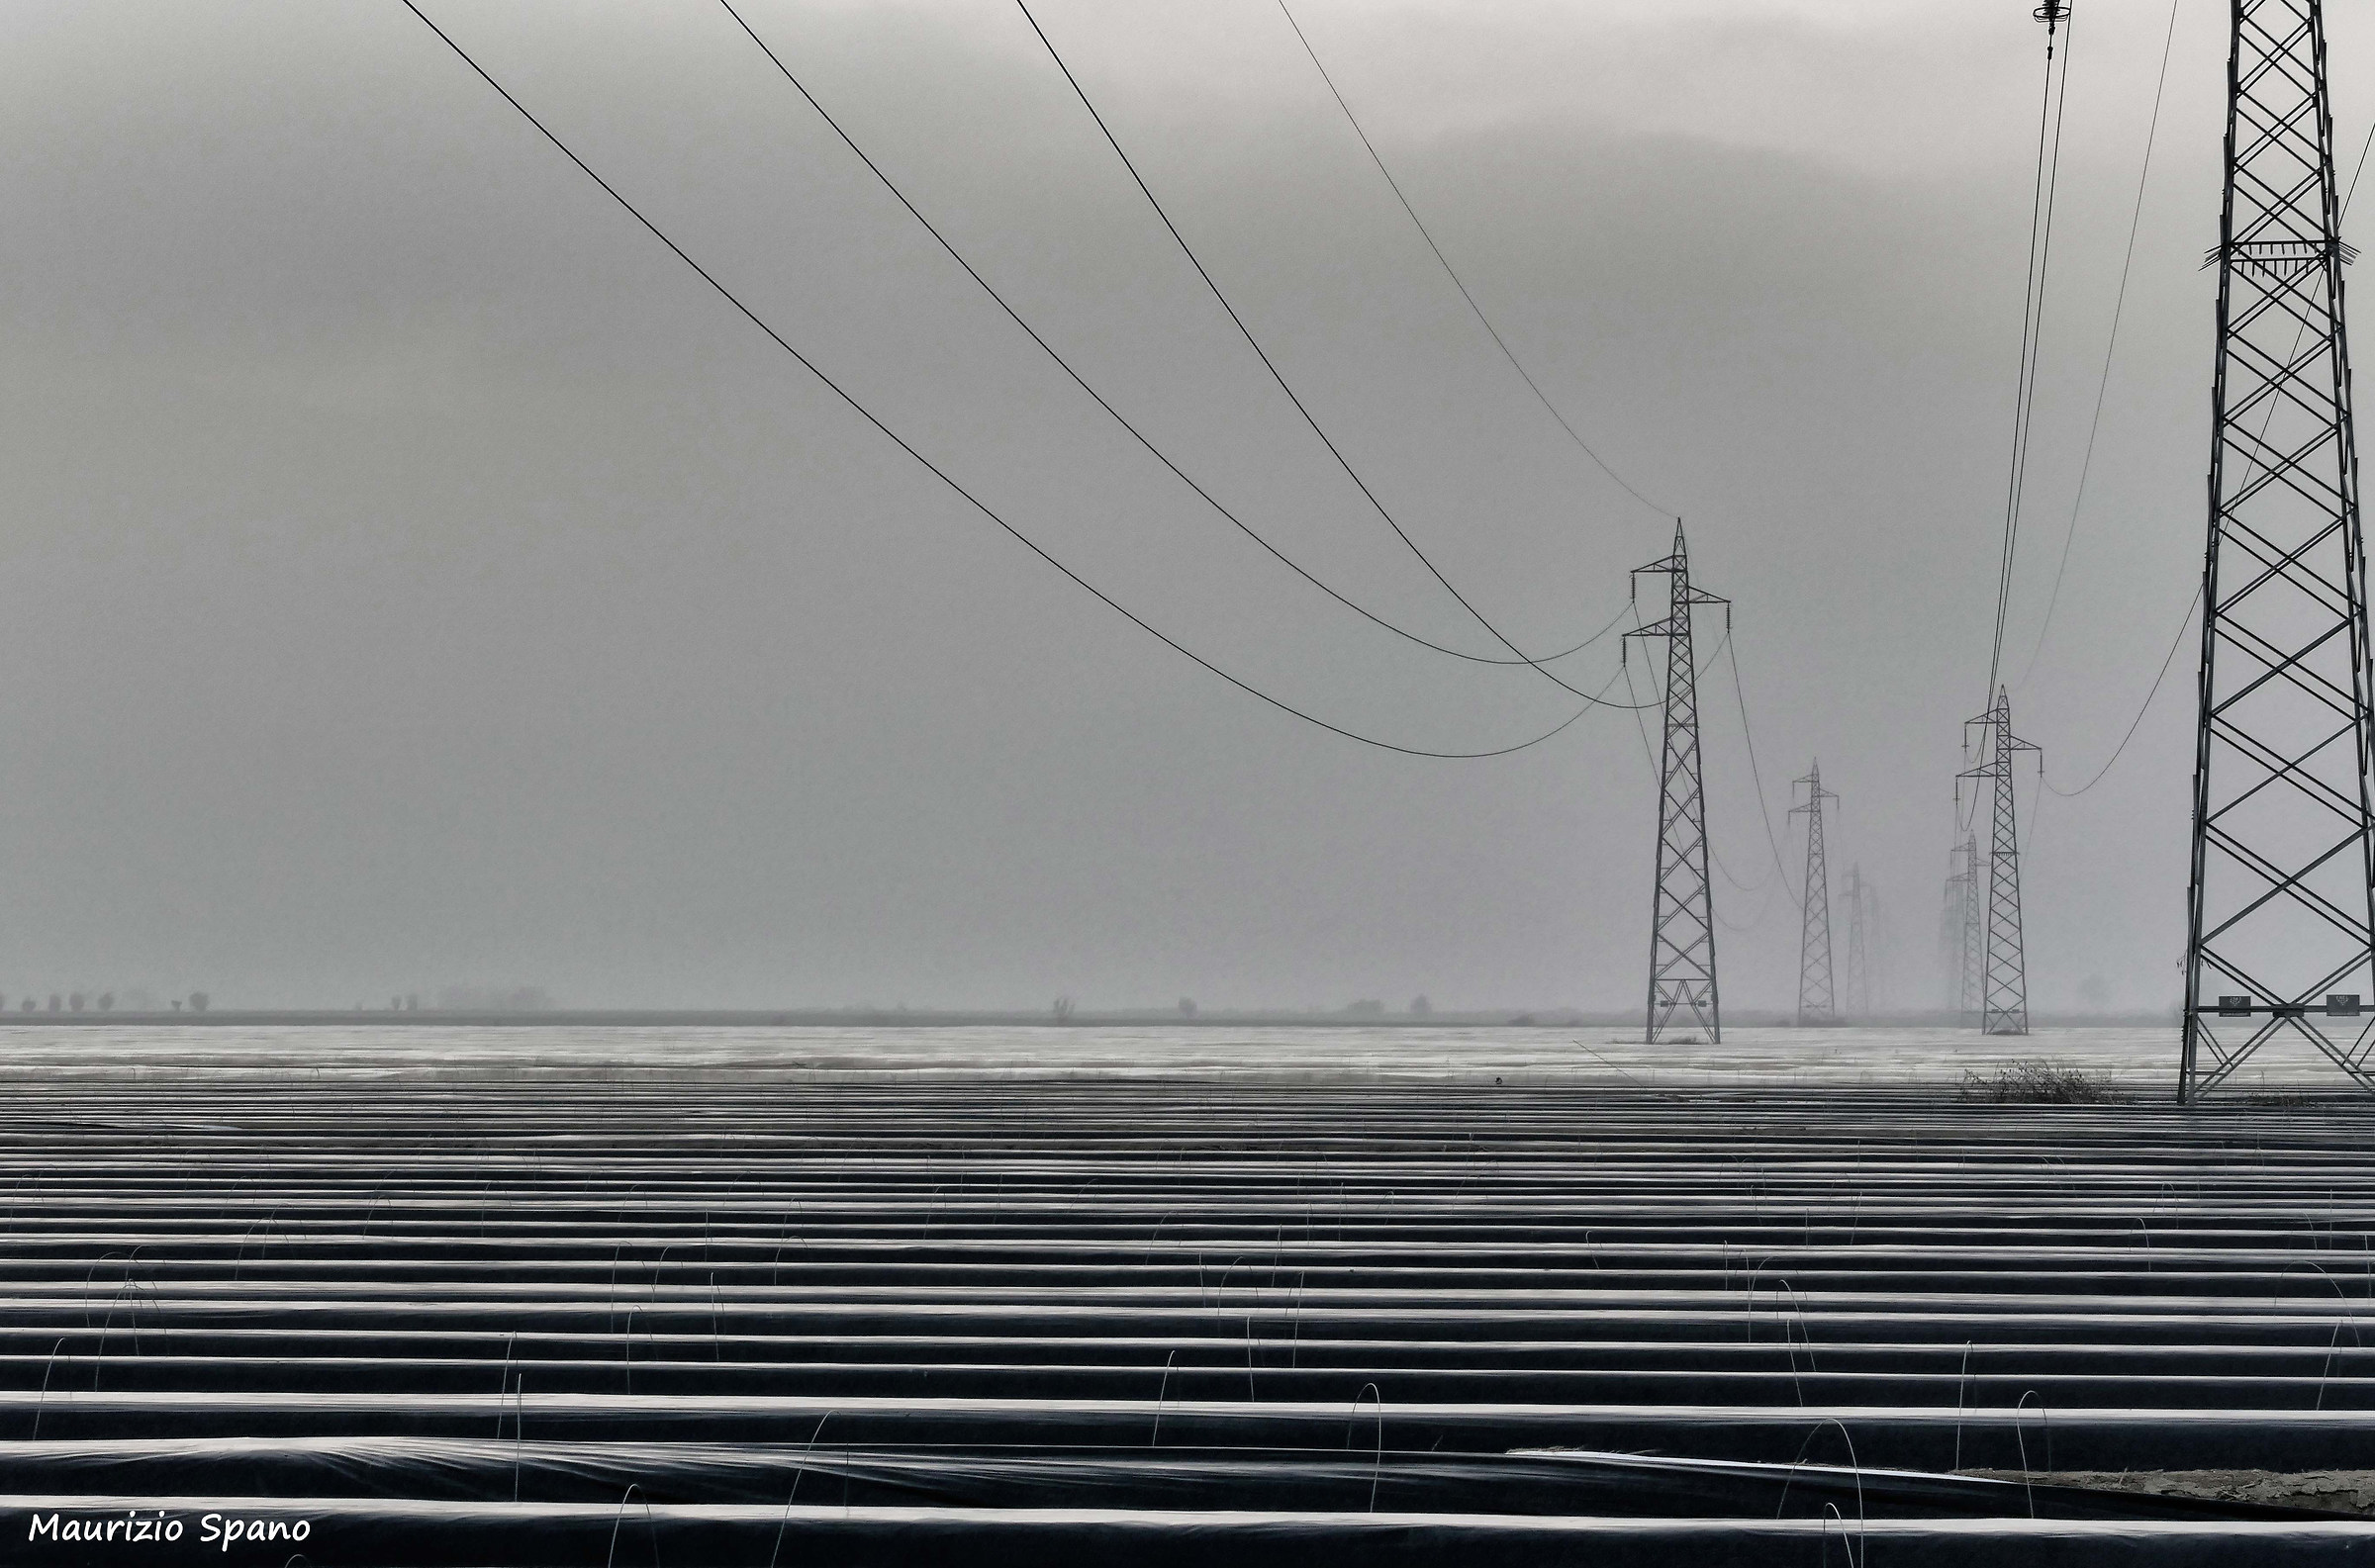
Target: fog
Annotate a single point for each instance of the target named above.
(414, 576)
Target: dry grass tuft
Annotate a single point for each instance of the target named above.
(2038, 1082)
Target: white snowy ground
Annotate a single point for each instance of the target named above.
(2140, 1060)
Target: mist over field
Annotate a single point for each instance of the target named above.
(415, 578)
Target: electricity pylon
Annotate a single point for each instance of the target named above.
(1682, 910)
(1816, 1002)
(1961, 930)
(1949, 933)
(1856, 1002)
(2003, 974)
(1973, 963)
(2280, 908)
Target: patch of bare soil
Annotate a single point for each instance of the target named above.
(2350, 1492)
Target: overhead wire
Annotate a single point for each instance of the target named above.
(1647, 753)
(2055, 99)
(2194, 602)
(1737, 885)
(1658, 781)
(1276, 375)
(1772, 889)
(2143, 708)
(1451, 272)
(943, 475)
(1723, 650)
(2111, 345)
(1106, 404)
(1757, 772)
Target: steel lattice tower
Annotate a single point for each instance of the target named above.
(1817, 1003)
(1961, 937)
(1949, 933)
(1683, 911)
(2004, 974)
(1974, 926)
(1858, 1002)
(2280, 913)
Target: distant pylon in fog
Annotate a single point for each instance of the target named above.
(1961, 930)
(2004, 979)
(1856, 994)
(1817, 1001)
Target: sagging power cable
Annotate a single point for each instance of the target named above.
(2054, 99)
(2143, 707)
(1484, 321)
(2111, 345)
(2186, 620)
(1649, 754)
(943, 475)
(1755, 774)
(1101, 401)
(1276, 375)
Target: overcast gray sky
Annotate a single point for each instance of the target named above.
(413, 575)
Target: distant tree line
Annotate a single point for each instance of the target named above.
(105, 1003)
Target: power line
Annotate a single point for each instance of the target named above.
(1640, 725)
(1260, 353)
(1099, 398)
(2033, 321)
(2193, 603)
(1482, 320)
(2111, 344)
(941, 474)
(1649, 754)
(1755, 775)
(1774, 869)
(2174, 644)
(1773, 886)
